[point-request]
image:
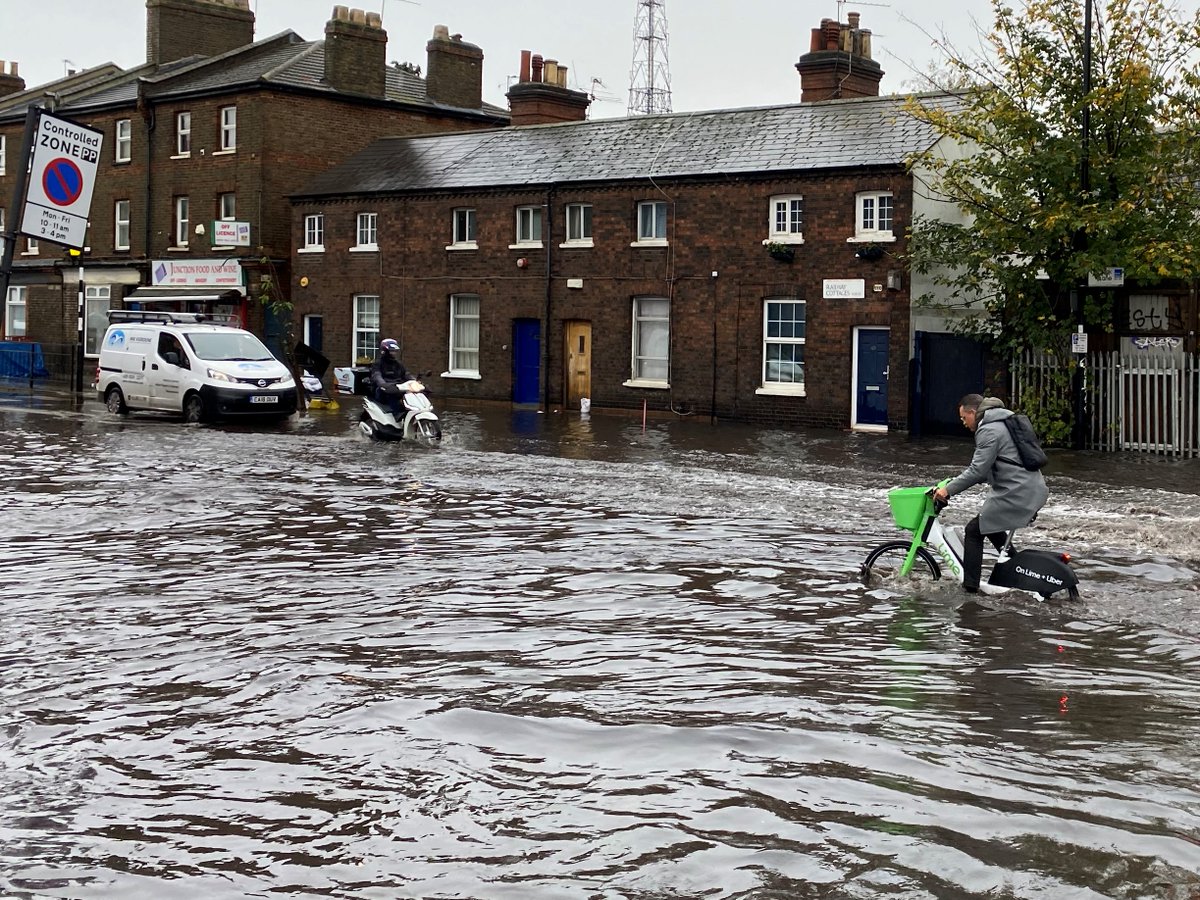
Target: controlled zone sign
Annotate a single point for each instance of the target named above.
(62, 174)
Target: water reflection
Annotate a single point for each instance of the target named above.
(579, 660)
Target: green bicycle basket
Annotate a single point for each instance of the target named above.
(908, 506)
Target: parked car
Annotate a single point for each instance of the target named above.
(190, 364)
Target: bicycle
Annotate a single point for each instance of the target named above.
(932, 547)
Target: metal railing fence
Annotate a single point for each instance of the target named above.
(1141, 401)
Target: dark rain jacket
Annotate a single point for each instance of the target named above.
(386, 371)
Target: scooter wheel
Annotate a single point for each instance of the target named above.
(368, 427)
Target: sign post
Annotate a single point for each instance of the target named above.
(9, 238)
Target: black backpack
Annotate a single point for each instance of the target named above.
(1029, 448)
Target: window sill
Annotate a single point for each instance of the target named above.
(465, 245)
(576, 245)
(365, 248)
(179, 249)
(784, 239)
(225, 152)
(182, 156)
(116, 162)
(120, 249)
(647, 383)
(878, 237)
(470, 376)
(653, 243)
(781, 390)
(313, 249)
(29, 252)
(526, 245)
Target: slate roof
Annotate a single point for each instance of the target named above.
(283, 60)
(79, 84)
(836, 134)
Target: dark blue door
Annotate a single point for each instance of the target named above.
(527, 360)
(871, 381)
(316, 332)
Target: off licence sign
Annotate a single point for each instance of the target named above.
(62, 175)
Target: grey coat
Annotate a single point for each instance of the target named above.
(1017, 494)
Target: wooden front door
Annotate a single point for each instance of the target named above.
(578, 358)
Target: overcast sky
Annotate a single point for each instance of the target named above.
(722, 53)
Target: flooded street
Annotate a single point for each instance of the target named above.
(560, 657)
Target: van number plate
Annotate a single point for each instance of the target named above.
(264, 398)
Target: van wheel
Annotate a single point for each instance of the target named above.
(115, 401)
(193, 408)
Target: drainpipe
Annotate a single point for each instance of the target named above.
(151, 120)
(548, 230)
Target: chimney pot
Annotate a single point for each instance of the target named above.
(536, 64)
(454, 73)
(525, 55)
(839, 63)
(356, 52)
(179, 28)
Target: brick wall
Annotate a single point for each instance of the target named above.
(716, 322)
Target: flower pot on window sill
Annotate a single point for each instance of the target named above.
(869, 252)
(781, 252)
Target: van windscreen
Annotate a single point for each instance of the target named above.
(228, 345)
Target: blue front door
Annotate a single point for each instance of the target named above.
(871, 377)
(527, 360)
(314, 332)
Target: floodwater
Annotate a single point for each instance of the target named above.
(566, 657)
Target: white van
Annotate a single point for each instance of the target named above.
(190, 364)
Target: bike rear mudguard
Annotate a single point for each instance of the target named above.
(1036, 571)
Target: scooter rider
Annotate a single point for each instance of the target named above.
(386, 372)
(1017, 493)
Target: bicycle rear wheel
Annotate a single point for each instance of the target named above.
(883, 564)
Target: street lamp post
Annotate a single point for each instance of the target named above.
(1078, 425)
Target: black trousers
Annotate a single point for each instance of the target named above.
(973, 551)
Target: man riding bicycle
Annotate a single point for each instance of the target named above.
(1017, 493)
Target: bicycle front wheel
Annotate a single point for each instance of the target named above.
(883, 564)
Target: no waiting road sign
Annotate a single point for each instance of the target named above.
(62, 176)
(62, 182)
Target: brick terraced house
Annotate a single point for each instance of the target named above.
(740, 263)
(202, 145)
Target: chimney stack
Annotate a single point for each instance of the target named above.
(10, 81)
(454, 74)
(356, 52)
(839, 64)
(179, 28)
(542, 97)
